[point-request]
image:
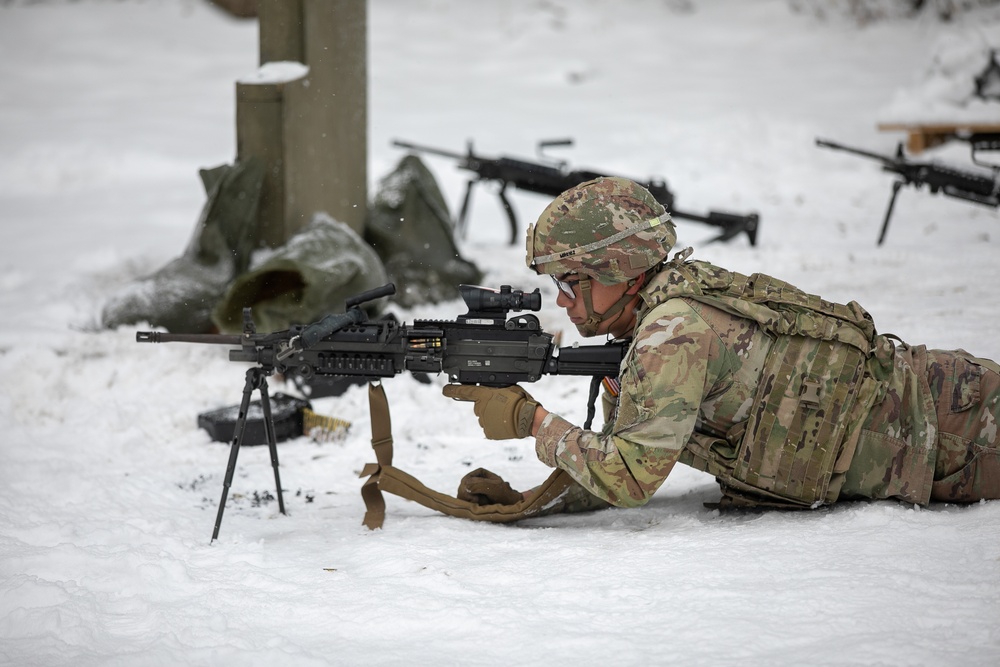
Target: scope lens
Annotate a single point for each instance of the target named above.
(486, 300)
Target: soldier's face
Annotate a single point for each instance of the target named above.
(603, 296)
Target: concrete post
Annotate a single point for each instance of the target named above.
(309, 126)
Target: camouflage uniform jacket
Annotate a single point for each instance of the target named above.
(687, 385)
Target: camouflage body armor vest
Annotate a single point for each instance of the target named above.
(826, 368)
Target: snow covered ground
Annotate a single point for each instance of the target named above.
(108, 489)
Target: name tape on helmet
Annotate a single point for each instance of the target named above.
(614, 238)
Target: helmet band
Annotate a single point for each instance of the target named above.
(614, 238)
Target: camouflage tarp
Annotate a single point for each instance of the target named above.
(309, 277)
(410, 228)
(180, 296)
(220, 272)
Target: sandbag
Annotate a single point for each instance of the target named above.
(180, 296)
(410, 228)
(309, 277)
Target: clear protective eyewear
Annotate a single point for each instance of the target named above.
(566, 286)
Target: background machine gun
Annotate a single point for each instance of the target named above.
(554, 179)
(970, 186)
(483, 346)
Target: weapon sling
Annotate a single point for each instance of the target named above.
(383, 476)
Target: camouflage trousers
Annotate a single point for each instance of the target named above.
(966, 393)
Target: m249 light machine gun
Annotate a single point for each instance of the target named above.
(483, 346)
(970, 186)
(554, 179)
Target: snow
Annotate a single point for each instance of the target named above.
(945, 88)
(108, 489)
(275, 72)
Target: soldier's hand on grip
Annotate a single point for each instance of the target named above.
(504, 413)
(483, 487)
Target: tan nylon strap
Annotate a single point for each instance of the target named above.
(382, 476)
(378, 408)
(395, 481)
(593, 318)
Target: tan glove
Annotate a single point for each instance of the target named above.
(483, 487)
(503, 413)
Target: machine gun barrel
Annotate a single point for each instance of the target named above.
(825, 143)
(205, 339)
(427, 149)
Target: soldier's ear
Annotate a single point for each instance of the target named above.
(636, 284)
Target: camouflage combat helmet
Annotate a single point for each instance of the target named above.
(611, 229)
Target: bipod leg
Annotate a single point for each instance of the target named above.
(254, 378)
(272, 440)
(888, 214)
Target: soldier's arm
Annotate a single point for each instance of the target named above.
(669, 369)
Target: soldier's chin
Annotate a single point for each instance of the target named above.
(586, 333)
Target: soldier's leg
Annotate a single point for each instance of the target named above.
(967, 392)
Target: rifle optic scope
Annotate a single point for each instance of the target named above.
(487, 300)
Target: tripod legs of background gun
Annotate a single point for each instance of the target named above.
(461, 227)
(464, 211)
(255, 380)
(888, 214)
(511, 217)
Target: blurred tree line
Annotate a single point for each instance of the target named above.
(870, 11)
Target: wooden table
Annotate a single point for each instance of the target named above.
(921, 136)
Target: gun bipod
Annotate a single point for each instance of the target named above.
(256, 379)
